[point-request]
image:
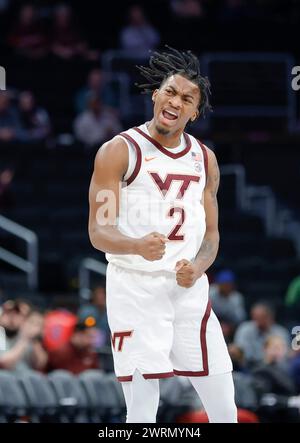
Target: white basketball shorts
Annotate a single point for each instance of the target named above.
(162, 329)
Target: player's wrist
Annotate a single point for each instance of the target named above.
(199, 270)
(136, 246)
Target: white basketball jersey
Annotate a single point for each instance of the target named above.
(162, 192)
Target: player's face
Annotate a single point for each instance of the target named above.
(175, 103)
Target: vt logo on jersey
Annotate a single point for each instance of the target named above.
(164, 185)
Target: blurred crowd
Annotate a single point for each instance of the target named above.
(22, 120)
(57, 32)
(264, 360)
(55, 338)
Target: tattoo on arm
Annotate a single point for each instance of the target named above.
(207, 249)
(210, 244)
(214, 180)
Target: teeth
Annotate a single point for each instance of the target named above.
(172, 113)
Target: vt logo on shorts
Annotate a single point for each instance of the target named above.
(120, 335)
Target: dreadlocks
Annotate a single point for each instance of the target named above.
(164, 64)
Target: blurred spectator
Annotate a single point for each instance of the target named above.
(273, 381)
(79, 353)
(10, 126)
(272, 373)
(96, 124)
(228, 327)
(138, 35)
(23, 343)
(67, 41)
(59, 326)
(34, 120)
(238, 358)
(226, 301)
(96, 311)
(188, 8)
(251, 335)
(28, 36)
(6, 198)
(96, 87)
(276, 351)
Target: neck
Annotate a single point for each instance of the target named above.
(168, 140)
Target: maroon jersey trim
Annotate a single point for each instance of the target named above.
(138, 158)
(203, 346)
(148, 376)
(164, 150)
(205, 156)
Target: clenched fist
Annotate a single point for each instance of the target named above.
(186, 273)
(152, 246)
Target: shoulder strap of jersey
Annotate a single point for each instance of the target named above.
(205, 157)
(138, 157)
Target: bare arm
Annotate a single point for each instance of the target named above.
(104, 199)
(39, 357)
(9, 359)
(210, 244)
(104, 196)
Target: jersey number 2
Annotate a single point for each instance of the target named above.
(164, 186)
(174, 233)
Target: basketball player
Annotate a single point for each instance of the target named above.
(159, 230)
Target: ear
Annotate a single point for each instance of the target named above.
(154, 95)
(195, 116)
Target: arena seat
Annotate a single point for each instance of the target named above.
(114, 385)
(71, 397)
(177, 396)
(13, 404)
(104, 402)
(42, 403)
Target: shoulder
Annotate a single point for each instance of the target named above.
(113, 148)
(211, 156)
(207, 152)
(112, 156)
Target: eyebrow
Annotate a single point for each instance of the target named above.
(184, 95)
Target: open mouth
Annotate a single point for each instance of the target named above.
(169, 115)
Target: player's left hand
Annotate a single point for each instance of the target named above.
(186, 273)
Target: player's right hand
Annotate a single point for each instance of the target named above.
(152, 246)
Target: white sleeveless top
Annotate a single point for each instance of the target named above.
(163, 192)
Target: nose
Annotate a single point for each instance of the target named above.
(175, 102)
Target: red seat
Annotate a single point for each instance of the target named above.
(244, 416)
